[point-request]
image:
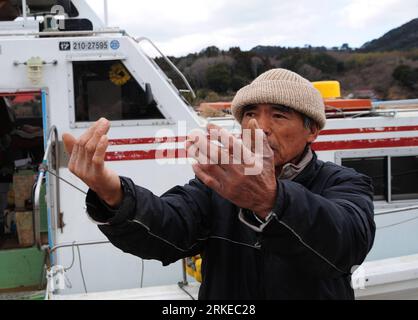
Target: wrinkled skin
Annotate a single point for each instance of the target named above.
(284, 141)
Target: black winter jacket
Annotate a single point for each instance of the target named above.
(322, 226)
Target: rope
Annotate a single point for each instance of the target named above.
(69, 183)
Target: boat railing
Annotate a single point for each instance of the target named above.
(51, 148)
(384, 109)
(64, 33)
(395, 210)
(181, 284)
(400, 103)
(77, 244)
(171, 64)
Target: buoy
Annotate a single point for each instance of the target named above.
(328, 89)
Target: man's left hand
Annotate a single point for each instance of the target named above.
(243, 172)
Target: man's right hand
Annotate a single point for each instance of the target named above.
(87, 162)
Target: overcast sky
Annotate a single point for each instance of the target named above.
(180, 27)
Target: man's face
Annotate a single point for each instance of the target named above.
(284, 129)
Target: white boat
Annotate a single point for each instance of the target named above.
(77, 70)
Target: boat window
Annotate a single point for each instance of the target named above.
(107, 89)
(394, 177)
(375, 168)
(404, 177)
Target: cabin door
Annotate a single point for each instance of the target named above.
(22, 145)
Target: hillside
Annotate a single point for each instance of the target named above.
(403, 38)
(385, 68)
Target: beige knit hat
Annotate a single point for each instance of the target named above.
(284, 87)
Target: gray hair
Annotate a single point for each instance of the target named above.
(309, 123)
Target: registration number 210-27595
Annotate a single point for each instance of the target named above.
(90, 45)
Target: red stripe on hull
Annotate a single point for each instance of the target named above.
(365, 144)
(146, 155)
(367, 130)
(317, 146)
(139, 141)
(120, 142)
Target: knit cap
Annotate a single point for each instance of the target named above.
(282, 87)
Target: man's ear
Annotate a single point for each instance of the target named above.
(314, 133)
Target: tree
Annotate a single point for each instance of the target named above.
(237, 82)
(324, 62)
(211, 51)
(406, 76)
(218, 77)
(345, 47)
(243, 63)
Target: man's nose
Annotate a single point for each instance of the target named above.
(264, 124)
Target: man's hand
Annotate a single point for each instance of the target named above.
(87, 162)
(231, 180)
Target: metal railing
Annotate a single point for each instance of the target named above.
(395, 102)
(52, 144)
(379, 108)
(377, 112)
(171, 64)
(396, 210)
(64, 33)
(183, 283)
(77, 244)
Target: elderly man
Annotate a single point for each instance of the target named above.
(294, 230)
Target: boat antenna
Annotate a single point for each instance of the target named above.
(24, 12)
(106, 13)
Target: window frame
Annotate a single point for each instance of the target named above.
(387, 153)
(115, 123)
(383, 194)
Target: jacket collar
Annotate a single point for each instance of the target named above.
(290, 170)
(308, 175)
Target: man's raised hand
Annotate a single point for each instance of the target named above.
(248, 183)
(87, 162)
